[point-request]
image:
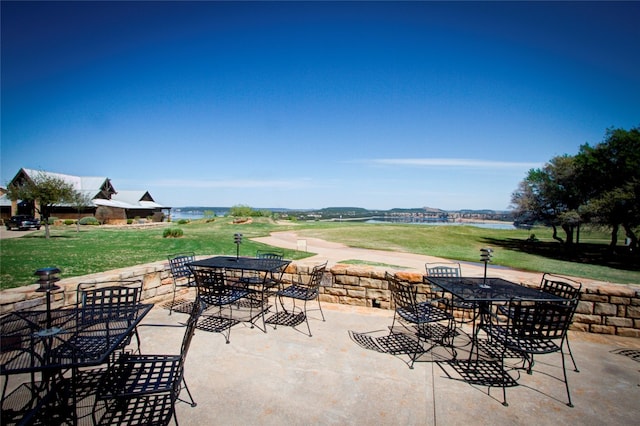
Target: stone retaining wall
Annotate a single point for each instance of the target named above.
(604, 309)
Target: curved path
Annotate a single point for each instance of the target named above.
(336, 253)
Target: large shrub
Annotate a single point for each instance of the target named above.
(89, 220)
(172, 233)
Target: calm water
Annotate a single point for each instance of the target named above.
(488, 225)
(194, 215)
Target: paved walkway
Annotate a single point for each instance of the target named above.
(336, 252)
(286, 377)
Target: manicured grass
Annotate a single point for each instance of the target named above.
(97, 249)
(510, 247)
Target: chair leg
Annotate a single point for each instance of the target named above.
(306, 318)
(193, 402)
(173, 301)
(320, 306)
(575, 366)
(504, 384)
(566, 382)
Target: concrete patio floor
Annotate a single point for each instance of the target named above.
(286, 377)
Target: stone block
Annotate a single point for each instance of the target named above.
(633, 311)
(620, 300)
(605, 309)
(587, 319)
(619, 322)
(329, 298)
(594, 298)
(347, 280)
(378, 294)
(367, 282)
(576, 326)
(584, 307)
(378, 274)
(360, 271)
(603, 329)
(356, 293)
(336, 291)
(628, 332)
(12, 296)
(410, 277)
(353, 301)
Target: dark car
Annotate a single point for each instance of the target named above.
(22, 222)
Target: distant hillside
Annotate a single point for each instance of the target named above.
(418, 214)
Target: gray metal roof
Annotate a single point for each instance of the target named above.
(93, 186)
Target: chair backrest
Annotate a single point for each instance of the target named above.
(108, 299)
(315, 279)
(443, 270)
(210, 283)
(269, 255)
(178, 264)
(403, 295)
(196, 311)
(540, 321)
(560, 286)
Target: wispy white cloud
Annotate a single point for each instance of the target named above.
(452, 162)
(233, 183)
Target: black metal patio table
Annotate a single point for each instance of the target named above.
(265, 266)
(52, 342)
(489, 290)
(483, 292)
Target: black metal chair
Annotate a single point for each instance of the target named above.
(301, 291)
(532, 330)
(143, 389)
(260, 278)
(453, 270)
(419, 318)
(213, 290)
(180, 273)
(105, 300)
(559, 286)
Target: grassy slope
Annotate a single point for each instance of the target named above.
(99, 249)
(464, 243)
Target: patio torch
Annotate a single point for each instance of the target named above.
(485, 256)
(237, 238)
(47, 277)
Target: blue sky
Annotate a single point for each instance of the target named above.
(313, 104)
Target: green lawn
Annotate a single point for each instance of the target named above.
(96, 249)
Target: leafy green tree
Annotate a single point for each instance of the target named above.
(609, 174)
(240, 210)
(80, 202)
(551, 196)
(45, 191)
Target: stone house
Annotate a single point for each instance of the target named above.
(106, 204)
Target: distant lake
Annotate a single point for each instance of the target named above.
(198, 214)
(488, 225)
(191, 214)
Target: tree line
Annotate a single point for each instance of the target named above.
(599, 185)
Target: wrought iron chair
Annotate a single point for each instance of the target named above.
(99, 301)
(419, 318)
(531, 330)
(559, 286)
(258, 278)
(180, 273)
(213, 290)
(143, 389)
(452, 269)
(300, 291)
